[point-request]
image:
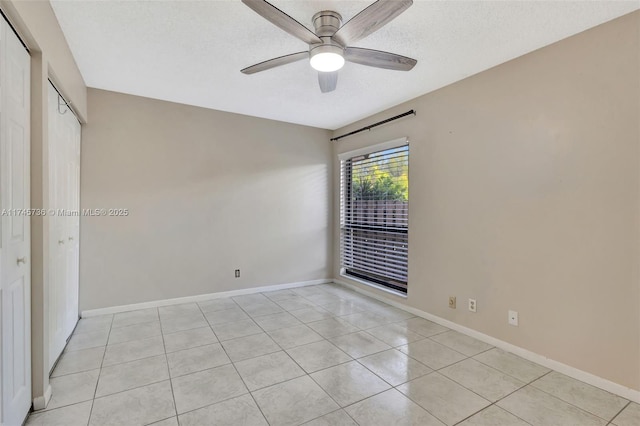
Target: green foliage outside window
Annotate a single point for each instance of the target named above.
(381, 178)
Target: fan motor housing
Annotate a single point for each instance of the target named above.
(326, 23)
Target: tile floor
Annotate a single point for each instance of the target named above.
(320, 355)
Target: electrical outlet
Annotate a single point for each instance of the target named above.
(513, 318)
(472, 305)
(237, 273)
(452, 302)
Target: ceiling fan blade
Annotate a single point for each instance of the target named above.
(370, 20)
(379, 59)
(282, 20)
(276, 62)
(328, 81)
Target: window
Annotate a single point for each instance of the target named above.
(374, 214)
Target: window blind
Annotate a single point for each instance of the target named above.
(374, 216)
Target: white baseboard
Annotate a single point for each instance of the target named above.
(592, 379)
(198, 298)
(41, 402)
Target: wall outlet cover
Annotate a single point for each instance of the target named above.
(473, 306)
(452, 302)
(513, 318)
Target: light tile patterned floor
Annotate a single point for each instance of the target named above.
(320, 355)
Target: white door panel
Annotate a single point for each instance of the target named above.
(64, 173)
(57, 338)
(72, 134)
(15, 268)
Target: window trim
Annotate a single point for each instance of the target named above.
(343, 274)
(395, 143)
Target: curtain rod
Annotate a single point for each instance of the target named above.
(379, 123)
(14, 31)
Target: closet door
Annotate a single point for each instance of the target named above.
(57, 264)
(72, 226)
(15, 251)
(64, 226)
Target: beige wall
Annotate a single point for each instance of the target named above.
(51, 58)
(208, 192)
(524, 194)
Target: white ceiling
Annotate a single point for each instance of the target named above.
(192, 51)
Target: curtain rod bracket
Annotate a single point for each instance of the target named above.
(62, 102)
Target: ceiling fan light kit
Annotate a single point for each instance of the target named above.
(326, 58)
(328, 46)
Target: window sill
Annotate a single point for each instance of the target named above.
(374, 285)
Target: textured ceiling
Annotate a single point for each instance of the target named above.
(192, 51)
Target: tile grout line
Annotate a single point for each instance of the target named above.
(511, 393)
(124, 390)
(381, 378)
(162, 420)
(175, 405)
(307, 374)
(495, 403)
(209, 405)
(510, 375)
(424, 408)
(334, 411)
(573, 405)
(531, 382)
(487, 407)
(237, 372)
(192, 347)
(119, 392)
(491, 403)
(437, 371)
(230, 363)
(100, 373)
(359, 363)
(166, 359)
(320, 386)
(264, 387)
(354, 332)
(488, 366)
(621, 410)
(106, 395)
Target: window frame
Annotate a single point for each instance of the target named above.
(345, 202)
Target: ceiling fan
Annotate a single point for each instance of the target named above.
(329, 45)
